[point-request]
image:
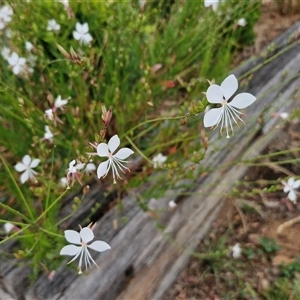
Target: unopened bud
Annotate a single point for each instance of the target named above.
(63, 51)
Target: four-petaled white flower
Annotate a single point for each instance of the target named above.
(289, 187)
(53, 25)
(82, 238)
(114, 161)
(158, 160)
(48, 135)
(59, 103)
(28, 46)
(6, 13)
(17, 63)
(229, 107)
(26, 167)
(213, 3)
(241, 22)
(72, 173)
(236, 251)
(82, 33)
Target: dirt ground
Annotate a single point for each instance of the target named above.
(255, 217)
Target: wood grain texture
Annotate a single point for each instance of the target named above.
(144, 261)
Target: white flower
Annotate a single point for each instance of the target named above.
(63, 182)
(28, 46)
(8, 227)
(48, 135)
(242, 22)
(26, 167)
(17, 63)
(53, 25)
(82, 239)
(89, 167)
(228, 110)
(158, 160)
(290, 187)
(114, 161)
(72, 173)
(282, 115)
(82, 33)
(59, 103)
(236, 251)
(49, 114)
(6, 13)
(172, 204)
(213, 3)
(64, 2)
(5, 52)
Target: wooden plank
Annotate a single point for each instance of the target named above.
(143, 261)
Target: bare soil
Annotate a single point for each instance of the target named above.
(253, 214)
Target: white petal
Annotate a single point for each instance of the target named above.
(70, 250)
(99, 246)
(292, 196)
(286, 189)
(72, 236)
(102, 150)
(242, 100)
(35, 163)
(26, 160)
(113, 143)
(72, 163)
(78, 27)
(87, 38)
(77, 36)
(85, 28)
(211, 118)
(22, 61)
(291, 181)
(102, 169)
(86, 234)
(16, 69)
(13, 59)
(20, 167)
(296, 184)
(24, 177)
(214, 94)
(123, 153)
(229, 86)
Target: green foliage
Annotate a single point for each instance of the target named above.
(117, 70)
(269, 245)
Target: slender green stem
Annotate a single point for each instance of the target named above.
(18, 189)
(51, 233)
(138, 150)
(8, 208)
(14, 234)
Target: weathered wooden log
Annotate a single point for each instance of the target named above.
(144, 261)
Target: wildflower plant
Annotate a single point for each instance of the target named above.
(111, 92)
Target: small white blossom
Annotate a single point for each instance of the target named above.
(229, 106)
(72, 173)
(82, 33)
(8, 227)
(63, 182)
(236, 251)
(28, 46)
(82, 239)
(17, 63)
(242, 22)
(172, 204)
(158, 160)
(213, 3)
(59, 103)
(26, 167)
(49, 114)
(6, 13)
(289, 187)
(53, 25)
(48, 135)
(64, 2)
(282, 115)
(5, 52)
(115, 161)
